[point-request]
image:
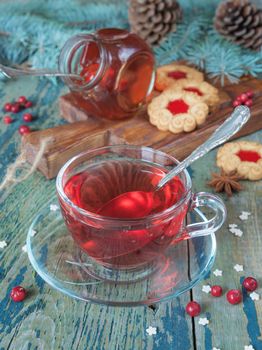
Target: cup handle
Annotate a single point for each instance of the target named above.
(203, 199)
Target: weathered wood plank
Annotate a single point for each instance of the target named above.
(50, 320)
(96, 132)
(233, 326)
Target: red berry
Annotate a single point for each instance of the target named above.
(27, 117)
(28, 104)
(236, 103)
(250, 284)
(8, 119)
(7, 107)
(18, 294)
(216, 291)
(243, 97)
(24, 129)
(250, 94)
(238, 99)
(234, 296)
(249, 103)
(193, 308)
(22, 100)
(15, 108)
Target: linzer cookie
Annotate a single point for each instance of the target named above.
(177, 111)
(245, 157)
(204, 90)
(175, 74)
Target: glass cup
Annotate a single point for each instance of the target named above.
(131, 244)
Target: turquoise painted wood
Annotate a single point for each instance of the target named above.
(49, 320)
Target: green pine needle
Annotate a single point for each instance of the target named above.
(36, 31)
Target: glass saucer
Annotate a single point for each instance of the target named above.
(56, 258)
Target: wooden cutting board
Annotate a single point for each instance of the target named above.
(90, 132)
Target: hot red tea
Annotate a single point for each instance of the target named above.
(99, 190)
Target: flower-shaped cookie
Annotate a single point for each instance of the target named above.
(204, 90)
(175, 74)
(243, 156)
(177, 111)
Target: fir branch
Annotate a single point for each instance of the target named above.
(174, 47)
(252, 64)
(35, 32)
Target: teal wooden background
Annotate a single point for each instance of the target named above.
(49, 320)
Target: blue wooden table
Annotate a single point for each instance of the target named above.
(50, 320)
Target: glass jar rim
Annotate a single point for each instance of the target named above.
(75, 42)
(109, 220)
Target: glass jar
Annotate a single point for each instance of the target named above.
(117, 70)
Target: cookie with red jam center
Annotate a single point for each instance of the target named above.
(204, 90)
(177, 111)
(245, 157)
(175, 75)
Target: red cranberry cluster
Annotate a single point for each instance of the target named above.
(244, 99)
(193, 308)
(234, 296)
(16, 107)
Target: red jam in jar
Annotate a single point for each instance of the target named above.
(117, 70)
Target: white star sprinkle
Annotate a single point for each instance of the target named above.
(206, 288)
(236, 232)
(203, 321)
(151, 330)
(232, 226)
(54, 207)
(244, 215)
(218, 272)
(3, 244)
(215, 348)
(248, 347)
(238, 268)
(24, 248)
(254, 296)
(32, 233)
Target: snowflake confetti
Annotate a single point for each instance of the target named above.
(237, 232)
(24, 248)
(244, 215)
(248, 347)
(238, 268)
(254, 296)
(54, 207)
(206, 288)
(32, 233)
(218, 273)
(203, 321)
(232, 226)
(151, 330)
(3, 244)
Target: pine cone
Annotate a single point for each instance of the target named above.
(240, 21)
(153, 19)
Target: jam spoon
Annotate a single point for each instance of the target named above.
(224, 132)
(17, 72)
(124, 205)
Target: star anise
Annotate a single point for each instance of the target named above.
(228, 183)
